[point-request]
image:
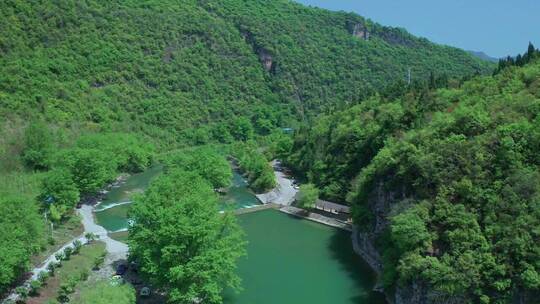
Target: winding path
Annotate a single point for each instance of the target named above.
(115, 250)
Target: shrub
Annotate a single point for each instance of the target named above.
(77, 246)
(59, 256)
(43, 275)
(99, 260)
(35, 285)
(51, 268)
(67, 253)
(22, 292)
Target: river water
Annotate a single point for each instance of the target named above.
(289, 260)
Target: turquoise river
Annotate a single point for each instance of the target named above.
(289, 260)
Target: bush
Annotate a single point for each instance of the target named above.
(66, 289)
(43, 275)
(308, 195)
(84, 275)
(68, 251)
(90, 237)
(51, 268)
(22, 292)
(99, 260)
(77, 246)
(59, 256)
(35, 285)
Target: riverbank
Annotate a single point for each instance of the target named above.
(284, 193)
(115, 250)
(316, 217)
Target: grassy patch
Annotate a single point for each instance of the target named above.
(20, 184)
(77, 267)
(63, 233)
(101, 292)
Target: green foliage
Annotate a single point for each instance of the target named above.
(317, 61)
(91, 168)
(199, 260)
(307, 196)
(67, 253)
(98, 261)
(38, 146)
(130, 153)
(206, 161)
(59, 193)
(21, 233)
(23, 292)
(452, 174)
(66, 289)
(43, 276)
(104, 293)
(409, 231)
(77, 245)
(259, 172)
(520, 60)
(35, 285)
(190, 71)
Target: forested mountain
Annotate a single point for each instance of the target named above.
(165, 67)
(483, 56)
(90, 89)
(444, 184)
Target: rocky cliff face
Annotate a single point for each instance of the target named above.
(380, 203)
(360, 31)
(266, 60)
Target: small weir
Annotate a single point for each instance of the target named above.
(289, 259)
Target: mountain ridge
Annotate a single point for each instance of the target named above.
(185, 70)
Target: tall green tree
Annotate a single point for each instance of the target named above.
(59, 193)
(307, 196)
(91, 168)
(205, 161)
(182, 243)
(38, 146)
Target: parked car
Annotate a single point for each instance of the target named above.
(121, 269)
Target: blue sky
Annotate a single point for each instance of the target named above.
(496, 27)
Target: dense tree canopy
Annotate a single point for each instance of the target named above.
(21, 233)
(193, 71)
(182, 243)
(205, 161)
(255, 165)
(448, 180)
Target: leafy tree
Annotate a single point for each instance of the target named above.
(206, 161)
(130, 153)
(35, 285)
(200, 260)
(90, 168)
(59, 192)
(242, 129)
(260, 174)
(38, 146)
(307, 196)
(21, 232)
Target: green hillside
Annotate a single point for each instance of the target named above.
(445, 183)
(164, 67)
(91, 89)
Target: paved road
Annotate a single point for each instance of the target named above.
(283, 193)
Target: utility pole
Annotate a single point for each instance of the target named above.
(409, 76)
